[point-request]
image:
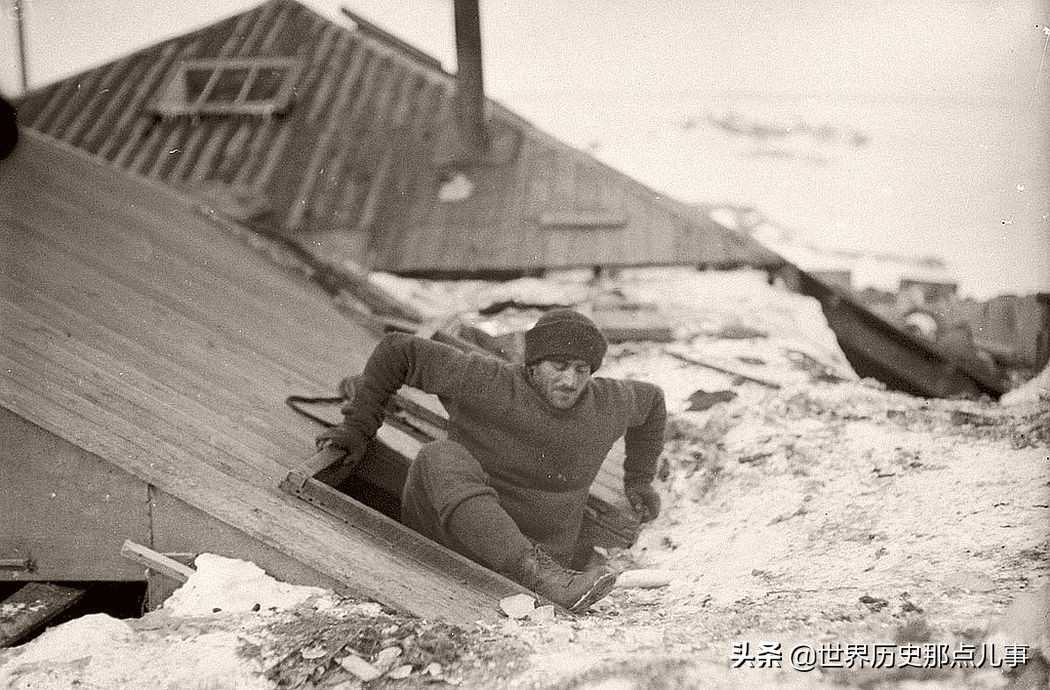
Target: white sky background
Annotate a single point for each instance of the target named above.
(616, 76)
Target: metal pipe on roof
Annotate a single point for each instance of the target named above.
(470, 88)
(20, 27)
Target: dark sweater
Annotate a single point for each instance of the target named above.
(541, 460)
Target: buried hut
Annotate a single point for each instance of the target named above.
(162, 220)
(147, 350)
(149, 343)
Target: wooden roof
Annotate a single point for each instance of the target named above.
(139, 329)
(356, 162)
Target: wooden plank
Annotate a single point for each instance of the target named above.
(98, 98)
(179, 527)
(373, 31)
(88, 406)
(66, 511)
(155, 561)
(216, 378)
(346, 553)
(692, 359)
(246, 420)
(49, 193)
(456, 566)
(583, 219)
(96, 135)
(377, 191)
(150, 416)
(16, 564)
(626, 324)
(270, 330)
(199, 289)
(324, 459)
(334, 49)
(322, 147)
(32, 606)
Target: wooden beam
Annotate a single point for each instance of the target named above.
(729, 372)
(373, 30)
(321, 460)
(31, 607)
(583, 219)
(408, 542)
(157, 562)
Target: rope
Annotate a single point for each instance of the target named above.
(293, 401)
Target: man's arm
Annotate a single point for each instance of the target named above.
(402, 359)
(643, 444)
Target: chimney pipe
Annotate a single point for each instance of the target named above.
(470, 88)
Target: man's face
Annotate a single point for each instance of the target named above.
(561, 382)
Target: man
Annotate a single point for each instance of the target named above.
(509, 485)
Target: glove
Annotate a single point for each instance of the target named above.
(645, 502)
(350, 442)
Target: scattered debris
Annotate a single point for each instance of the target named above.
(960, 417)
(875, 604)
(386, 658)
(644, 578)
(739, 331)
(517, 605)
(459, 188)
(703, 400)
(542, 614)
(311, 653)
(360, 668)
(817, 371)
(692, 359)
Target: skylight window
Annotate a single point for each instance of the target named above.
(229, 86)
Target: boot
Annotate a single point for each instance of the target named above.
(572, 589)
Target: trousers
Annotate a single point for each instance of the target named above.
(447, 497)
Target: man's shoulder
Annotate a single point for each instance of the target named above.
(625, 387)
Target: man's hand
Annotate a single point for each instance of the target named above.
(645, 502)
(342, 438)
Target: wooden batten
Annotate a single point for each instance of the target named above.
(32, 606)
(156, 561)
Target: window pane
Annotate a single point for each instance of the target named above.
(196, 80)
(228, 85)
(267, 83)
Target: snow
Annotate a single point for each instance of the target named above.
(1035, 390)
(459, 188)
(824, 508)
(234, 586)
(97, 651)
(167, 648)
(935, 176)
(880, 270)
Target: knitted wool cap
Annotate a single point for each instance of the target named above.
(565, 334)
